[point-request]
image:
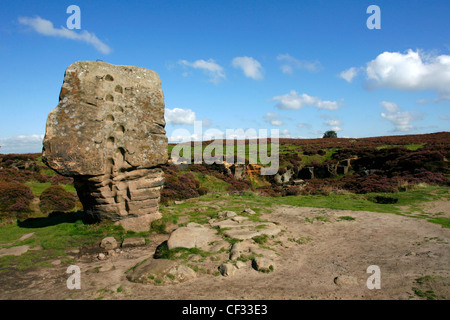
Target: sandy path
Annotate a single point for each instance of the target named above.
(404, 248)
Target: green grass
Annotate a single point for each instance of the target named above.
(38, 187)
(346, 218)
(211, 183)
(261, 239)
(360, 202)
(429, 294)
(55, 235)
(412, 147)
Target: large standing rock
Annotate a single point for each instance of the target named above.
(107, 132)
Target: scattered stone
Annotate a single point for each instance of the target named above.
(74, 251)
(226, 214)
(227, 269)
(344, 280)
(240, 264)
(55, 262)
(194, 257)
(193, 235)
(160, 272)
(239, 219)
(111, 253)
(109, 243)
(26, 236)
(133, 242)
(268, 253)
(107, 132)
(178, 202)
(216, 247)
(14, 251)
(101, 256)
(255, 230)
(249, 211)
(239, 248)
(262, 264)
(229, 223)
(106, 267)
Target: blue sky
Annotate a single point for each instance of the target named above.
(303, 67)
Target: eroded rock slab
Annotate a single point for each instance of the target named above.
(243, 228)
(107, 132)
(193, 235)
(161, 272)
(14, 251)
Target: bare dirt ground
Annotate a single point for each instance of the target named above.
(319, 256)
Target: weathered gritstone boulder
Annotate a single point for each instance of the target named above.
(107, 132)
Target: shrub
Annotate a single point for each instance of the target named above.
(55, 198)
(180, 187)
(202, 191)
(383, 199)
(15, 197)
(292, 191)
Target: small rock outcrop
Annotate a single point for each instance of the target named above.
(107, 132)
(193, 235)
(161, 272)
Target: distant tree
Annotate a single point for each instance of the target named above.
(330, 134)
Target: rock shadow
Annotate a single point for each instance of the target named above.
(55, 218)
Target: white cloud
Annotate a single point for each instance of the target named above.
(22, 144)
(333, 123)
(206, 122)
(251, 67)
(272, 118)
(336, 129)
(444, 117)
(180, 116)
(349, 74)
(45, 27)
(285, 134)
(304, 125)
(293, 101)
(290, 63)
(400, 119)
(411, 71)
(210, 67)
(422, 101)
(184, 135)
